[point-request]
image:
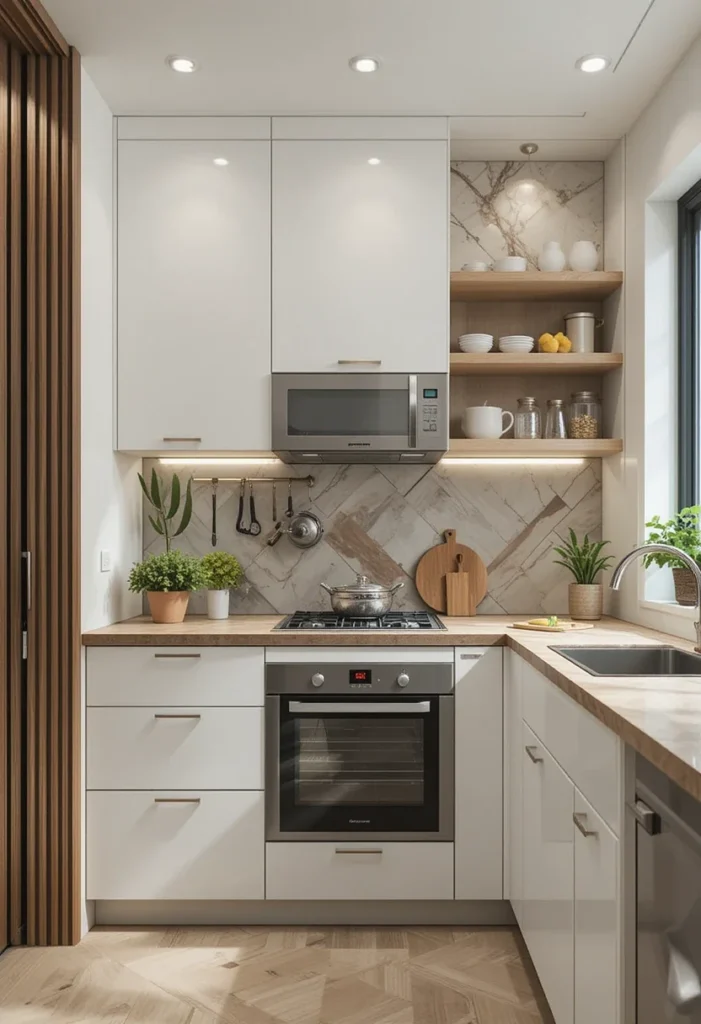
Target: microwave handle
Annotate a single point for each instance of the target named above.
(413, 409)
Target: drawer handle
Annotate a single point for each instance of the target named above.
(179, 716)
(470, 657)
(177, 655)
(579, 818)
(173, 440)
(376, 852)
(176, 800)
(534, 757)
(360, 362)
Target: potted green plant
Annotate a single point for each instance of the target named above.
(222, 572)
(167, 580)
(585, 561)
(165, 501)
(682, 531)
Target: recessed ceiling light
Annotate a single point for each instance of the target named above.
(364, 64)
(221, 161)
(182, 64)
(592, 62)
(374, 161)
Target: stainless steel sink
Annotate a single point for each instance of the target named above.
(633, 661)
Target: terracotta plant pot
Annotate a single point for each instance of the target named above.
(168, 607)
(684, 587)
(586, 600)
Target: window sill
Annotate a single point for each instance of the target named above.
(671, 608)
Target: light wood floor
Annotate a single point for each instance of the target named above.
(267, 976)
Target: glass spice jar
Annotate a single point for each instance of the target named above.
(527, 424)
(555, 425)
(585, 416)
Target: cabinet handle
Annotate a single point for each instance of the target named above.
(176, 800)
(360, 362)
(178, 716)
(534, 758)
(376, 852)
(177, 655)
(579, 818)
(470, 657)
(413, 410)
(173, 440)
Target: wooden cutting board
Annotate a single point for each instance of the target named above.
(562, 627)
(433, 566)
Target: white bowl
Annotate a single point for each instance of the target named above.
(511, 263)
(516, 343)
(476, 342)
(475, 265)
(516, 337)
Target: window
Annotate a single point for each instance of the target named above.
(689, 439)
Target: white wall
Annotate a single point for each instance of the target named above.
(110, 504)
(662, 155)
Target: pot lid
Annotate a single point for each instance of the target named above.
(363, 587)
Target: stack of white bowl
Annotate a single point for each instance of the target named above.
(509, 264)
(476, 342)
(475, 265)
(516, 343)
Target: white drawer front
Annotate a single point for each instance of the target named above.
(586, 749)
(175, 676)
(181, 748)
(361, 871)
(138, 849)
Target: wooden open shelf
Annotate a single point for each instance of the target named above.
(510, 448)
(499, 363)
(486, 286)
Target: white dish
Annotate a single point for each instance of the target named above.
(516, 337)
(516, 343)
(475, 266)
(510, 263)
(476, 342)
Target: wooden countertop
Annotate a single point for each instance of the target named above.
(660, 717)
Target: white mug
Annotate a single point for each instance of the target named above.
(486, 421)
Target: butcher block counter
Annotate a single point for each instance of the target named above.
(660, 717)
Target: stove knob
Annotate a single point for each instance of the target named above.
(317, 679)
(402, 679)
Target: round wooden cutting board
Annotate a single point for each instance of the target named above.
(433, 566)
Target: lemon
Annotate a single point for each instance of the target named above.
(547, 343)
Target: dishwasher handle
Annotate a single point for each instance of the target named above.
(646, 817)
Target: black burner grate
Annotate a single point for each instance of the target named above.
(392, 620)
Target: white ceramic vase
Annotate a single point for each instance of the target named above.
(552, 258)
(584, 257)
(217, 604)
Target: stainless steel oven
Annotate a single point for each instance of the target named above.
(360, 743)
(360, 417)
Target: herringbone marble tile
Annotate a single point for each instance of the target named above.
(274, 976)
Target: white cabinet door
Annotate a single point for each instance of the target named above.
(175, 846)
(479, 793)
(193, 295)
(548, 875)
(513, 783)
(360, 256)
(596, 918)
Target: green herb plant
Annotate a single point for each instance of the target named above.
(222, 571)
(165, 502)
(584, 560)
(168, 572)
(682, 531)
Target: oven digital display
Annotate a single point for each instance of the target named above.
(360, 677)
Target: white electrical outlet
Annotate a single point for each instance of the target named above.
(105, 561)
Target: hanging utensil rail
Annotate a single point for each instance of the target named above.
(308, 480)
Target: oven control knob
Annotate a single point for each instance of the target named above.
(317, 679)
(402, 679)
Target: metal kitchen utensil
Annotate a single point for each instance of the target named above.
(240, 528)
(290, 511)
(305, 530)
(255, 527)
(274, 510)
(362, 599)
(215, 481)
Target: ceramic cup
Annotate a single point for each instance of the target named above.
(485, 421)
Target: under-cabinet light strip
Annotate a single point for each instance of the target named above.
(220, 462)
(477, 461)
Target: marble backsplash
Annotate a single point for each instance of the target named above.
(510, 208)
(380, 520)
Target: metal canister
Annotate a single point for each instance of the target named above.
(580, 329)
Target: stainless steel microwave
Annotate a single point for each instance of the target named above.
(360, 417)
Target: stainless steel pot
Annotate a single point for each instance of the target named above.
(305, 530)
(362, 599)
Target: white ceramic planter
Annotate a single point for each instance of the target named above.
(218, 604)
(584, 257)
(552, 258)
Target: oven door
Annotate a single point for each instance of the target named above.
(341, 769)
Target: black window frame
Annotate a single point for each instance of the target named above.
(689, 349)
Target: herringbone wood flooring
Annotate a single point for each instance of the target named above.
(274, 976)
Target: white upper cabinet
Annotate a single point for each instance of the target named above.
(360, 255)
(193, 291)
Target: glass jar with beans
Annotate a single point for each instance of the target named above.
(585, 416)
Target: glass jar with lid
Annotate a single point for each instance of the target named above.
(527, 424)
(555, 423)
(585, 416)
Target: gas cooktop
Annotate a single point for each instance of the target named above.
(392, 620)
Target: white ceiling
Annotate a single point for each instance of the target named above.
(503, 69)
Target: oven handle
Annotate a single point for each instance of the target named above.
(399, 708)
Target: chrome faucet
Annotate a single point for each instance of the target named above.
(664, 549)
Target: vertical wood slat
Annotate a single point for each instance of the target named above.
(4, 518)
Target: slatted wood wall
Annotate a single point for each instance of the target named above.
(40, 474)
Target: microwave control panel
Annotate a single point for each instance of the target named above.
(429, 407)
